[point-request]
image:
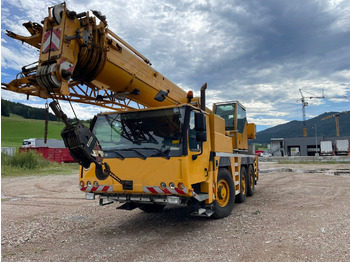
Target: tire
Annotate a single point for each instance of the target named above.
(151, 208)
(240, 198)
(225, 196)
(251, 181)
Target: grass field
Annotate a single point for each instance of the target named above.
(16, 128)
(30, 163)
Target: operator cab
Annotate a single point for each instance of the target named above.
(233, 113)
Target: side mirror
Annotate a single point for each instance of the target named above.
(199, 121)
(92, 123)
(201, 136)
(161, 95)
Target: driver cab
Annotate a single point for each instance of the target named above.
(236, 125)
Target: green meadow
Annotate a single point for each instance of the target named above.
(16, 128)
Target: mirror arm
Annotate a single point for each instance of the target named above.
(194, 157)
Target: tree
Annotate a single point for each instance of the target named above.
(5, 111)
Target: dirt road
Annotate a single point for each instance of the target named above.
(293, 216)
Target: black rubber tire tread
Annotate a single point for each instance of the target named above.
(240, 198)
(219, 211)
(250, 187)
(151, 208)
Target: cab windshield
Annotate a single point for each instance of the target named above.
(154, 133)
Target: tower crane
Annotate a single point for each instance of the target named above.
(305, 104)
(336, 117)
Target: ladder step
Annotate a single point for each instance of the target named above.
(201, 197)
(209, 212)
(201, 211)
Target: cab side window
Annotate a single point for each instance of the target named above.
(194, 145)
(227, 112)
(241, 119)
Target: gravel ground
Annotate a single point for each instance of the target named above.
(298, 213)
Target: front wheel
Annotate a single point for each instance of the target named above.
(225, 195)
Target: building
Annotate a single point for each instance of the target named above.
(300, 146)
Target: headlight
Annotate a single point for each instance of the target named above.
(181, 186)
(162, 185)
(172, 185)
(88, 183)
(95, 184)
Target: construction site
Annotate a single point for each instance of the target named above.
(158, 174)
(317, 139)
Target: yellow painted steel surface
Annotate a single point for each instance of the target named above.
(152, 172)
(219, 141)
(251, 131)
(123, 72)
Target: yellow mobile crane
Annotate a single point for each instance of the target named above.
(160, 146)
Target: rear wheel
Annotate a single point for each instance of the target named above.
(243, 186)
(151, 208)
(251, 181)
(225, 195)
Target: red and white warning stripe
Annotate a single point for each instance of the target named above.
(214, 192)
(97, 189)
(66, 66)
(52, 39)
(167, 190)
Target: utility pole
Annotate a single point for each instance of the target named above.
(316, 152)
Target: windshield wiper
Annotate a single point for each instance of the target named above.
(117, 153)
(162, 153)
(136, 151)
(157, 149)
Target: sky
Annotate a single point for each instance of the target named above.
(259, 52)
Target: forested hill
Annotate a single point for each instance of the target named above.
(295, 128)
(8, 107)
(290, 129)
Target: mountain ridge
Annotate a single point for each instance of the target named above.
(315, 126)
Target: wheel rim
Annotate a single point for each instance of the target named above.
(244, 185)
(223, 193)
(251, 175)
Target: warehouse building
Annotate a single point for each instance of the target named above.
(301, 146)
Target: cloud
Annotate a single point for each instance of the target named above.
(12, 96)
(17, 58)
(266, 122)
(258, 52)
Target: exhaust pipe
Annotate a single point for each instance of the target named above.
(203, 88)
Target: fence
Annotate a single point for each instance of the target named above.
(8, 150)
